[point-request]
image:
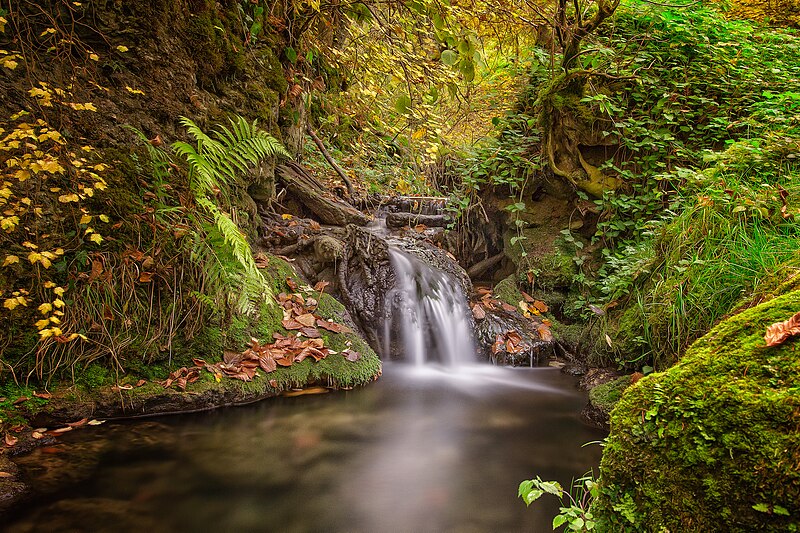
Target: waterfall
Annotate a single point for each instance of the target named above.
(428, 314)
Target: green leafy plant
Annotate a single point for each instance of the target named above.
(215, 165)
(575, 511)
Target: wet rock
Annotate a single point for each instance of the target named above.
(499, 322)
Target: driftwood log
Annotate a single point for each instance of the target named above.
(399, 220)
(317, 198)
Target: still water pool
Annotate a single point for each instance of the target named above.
(420, 450)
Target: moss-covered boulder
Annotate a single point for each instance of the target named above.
(713, 443)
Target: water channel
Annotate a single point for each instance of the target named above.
(423, 449)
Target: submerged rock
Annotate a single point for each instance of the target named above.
(713, 443)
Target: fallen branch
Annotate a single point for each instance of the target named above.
(329, 158)
(482, 266)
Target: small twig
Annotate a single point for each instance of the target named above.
(329, 158)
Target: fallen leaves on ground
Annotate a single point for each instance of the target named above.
(182, 377)
(509, 342)
(780, 331)
(529, 307)
(10, 440)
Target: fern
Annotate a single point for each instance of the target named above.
(214, 165)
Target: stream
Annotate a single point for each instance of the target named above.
(423, 449)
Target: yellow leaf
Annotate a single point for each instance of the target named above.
(122, 49)
(46, 333)
(57, 331)
(85, 219)
(10, 260)
(58, 302)
(29, 245)
(9, 223)
(22, 175)
(100, 185)
(41, 324)
(103, 218)
(49, 284)
(94, 57)
(96, 238)
(66, 198)
(45, 308)
(55, 320)
(25, 201)
(11, 304)
(48, 31)
(59, 291)
(34, 256)
(88, 191)
(286, 216)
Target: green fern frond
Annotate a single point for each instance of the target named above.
(215, 164)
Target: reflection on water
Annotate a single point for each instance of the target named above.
(421, 450)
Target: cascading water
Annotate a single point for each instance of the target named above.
(429, 313)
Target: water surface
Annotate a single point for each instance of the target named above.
(420, 450)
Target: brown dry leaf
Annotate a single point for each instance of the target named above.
(478, 312)
(351, 355)
(304, 392)
(261, 259)
(97, 270)
(10, 440)
(79, 423)
(273, 383)
(140, 382)
(20, 400)
(780, 331)
(420, 228)
(230, 357)
(146, 277)
(5, 474)
(544, 333)
(37, 435)
(540, 306)
(307, 319)
(311, 333)
(267, 364)
(497, 347)
(320, 286)
(547, 322)
(199, 362)
(530, 277)
(330, 326)
(43, 395)
(528, 297)
(508, 307)
(59, 431)
(291, 324)
(291, 283)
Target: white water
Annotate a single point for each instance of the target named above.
(430, 313)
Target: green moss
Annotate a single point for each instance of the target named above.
(95, 375)
(606, 396)
(545, 255)
(695, 448)
(507, 291)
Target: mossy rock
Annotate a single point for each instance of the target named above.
(606, 396)
(543, 253)
(712, 444)
(507, 291)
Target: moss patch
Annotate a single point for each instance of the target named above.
(606, 396)
(712, 443)
(507, 291)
